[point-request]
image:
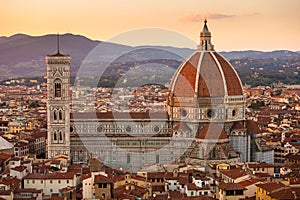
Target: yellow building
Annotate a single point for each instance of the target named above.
(264, 190)
(18, 126)
(220, 167)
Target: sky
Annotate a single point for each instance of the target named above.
(235, 25)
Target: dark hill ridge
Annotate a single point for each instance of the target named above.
(23, 55)
(279, 54)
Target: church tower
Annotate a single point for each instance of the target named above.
(58, 103)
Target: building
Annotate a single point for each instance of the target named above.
(292, 158)
(50, 183)
(205, 101)
(58, 104)
(231, 191)
(28, 193)
(246, 138)
(264, 190)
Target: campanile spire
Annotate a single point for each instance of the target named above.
(205, 39)
(58, 43)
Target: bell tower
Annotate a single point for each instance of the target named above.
(58, 103)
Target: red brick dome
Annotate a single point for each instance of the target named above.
(205, 74)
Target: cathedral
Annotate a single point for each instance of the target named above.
(204, 121)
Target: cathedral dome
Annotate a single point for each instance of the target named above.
(204, 74)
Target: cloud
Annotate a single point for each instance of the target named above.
(193, 17)
(219, 16)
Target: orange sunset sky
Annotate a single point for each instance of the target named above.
(235, 25)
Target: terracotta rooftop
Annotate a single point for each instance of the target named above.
(287, 194)
(193, 186)
(238, 126)
(66, 175)
(102, 179)
(248, 182)
(234, 173)
(231, 186)
(19, 168)
(211, 132)
(137, 177)
(159, 174)
(270, 187)
(260, 165)
(5, 192)
(293, 156)
(5, 156)
(15, 159)
(12, 182)
(252, 127)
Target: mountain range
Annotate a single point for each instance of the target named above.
(24, 55)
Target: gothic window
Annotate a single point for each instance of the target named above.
(60, 117)
(55, 136)
(54, 115)
(57, 88)
(233, 113)
(60, 136)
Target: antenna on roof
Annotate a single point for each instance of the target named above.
(58, 43)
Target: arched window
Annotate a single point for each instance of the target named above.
(55, 136)
(57, 88)
(233, 113)
(60, 117)
(54, 115)
(60, 136)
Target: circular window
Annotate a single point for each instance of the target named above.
(156, 129)
(183, 113)
(71, 129)
(99, 129)
(128, 129)
(211, 113)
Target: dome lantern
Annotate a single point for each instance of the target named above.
(205, 39)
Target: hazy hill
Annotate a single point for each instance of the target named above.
(23, 55)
